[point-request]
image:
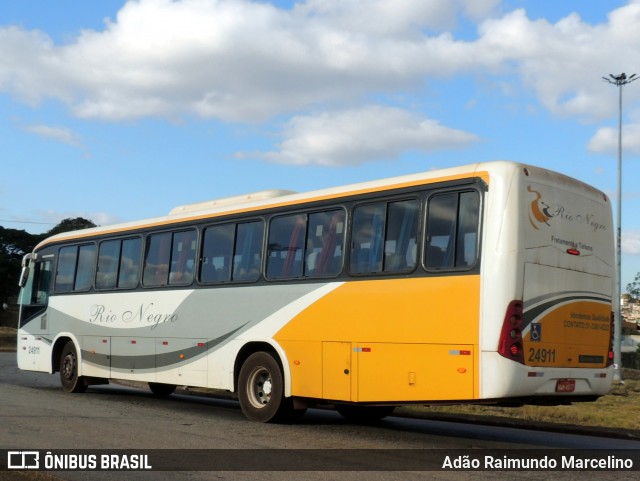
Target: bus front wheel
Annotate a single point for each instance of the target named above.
(69, 378)
(261, 390)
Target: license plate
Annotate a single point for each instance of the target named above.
(566, 385)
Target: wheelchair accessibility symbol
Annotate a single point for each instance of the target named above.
(536, 332)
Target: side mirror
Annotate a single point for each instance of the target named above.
(24, 274)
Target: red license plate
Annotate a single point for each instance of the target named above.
(566, 385)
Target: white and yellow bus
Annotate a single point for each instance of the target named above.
(487, 283)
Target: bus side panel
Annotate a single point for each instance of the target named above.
(306, 366)
(34, 344)
(414, 372)
(404, 328)
(133, 358)
(34, 352)
(181, 361)
(337, 371)
(96, 356)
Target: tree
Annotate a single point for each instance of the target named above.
(67, 225)
(633, 288)
(14, 244)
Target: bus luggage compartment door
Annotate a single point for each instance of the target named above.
(336, 371)
(414, 372)
(133, 358)
(96, 356)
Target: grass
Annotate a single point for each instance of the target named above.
(617, 410)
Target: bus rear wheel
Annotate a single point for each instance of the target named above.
(261, 390)
(162, 390)
(364, 414)
(69, 378)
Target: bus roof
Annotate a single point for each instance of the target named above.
(275, 198)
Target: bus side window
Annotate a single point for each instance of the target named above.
(384, 237)
(118, 264)
(401, 236)
(452, 230)
(232, 252)
(468, 217)
(324, 247)
(367, 238)
(247, 256)
(130, 255)
(42, 283)
(183, 257)
(85, 268)
(66, 268)
(156, 260)
(75, 268)
(108, 258)
(217, 250)
(36, 290)
(286, 245)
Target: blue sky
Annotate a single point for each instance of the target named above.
(118, 111)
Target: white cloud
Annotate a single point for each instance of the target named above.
(564, 62)
(393, 17)
(58, 134)
(244, 61)
(605, 140)
(247, 61)
(99, 218)
(356, 136)
(631, 242)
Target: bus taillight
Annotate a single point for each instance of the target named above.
(510, 344)
(610, 356)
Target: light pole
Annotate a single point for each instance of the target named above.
(619, 81)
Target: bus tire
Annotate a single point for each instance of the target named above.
(364, 414)
(162, 390)
(69, 378)
(261, 390)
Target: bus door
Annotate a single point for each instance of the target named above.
(34, 343)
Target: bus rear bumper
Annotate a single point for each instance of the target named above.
(502, 378)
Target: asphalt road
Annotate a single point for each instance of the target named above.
(36, 414)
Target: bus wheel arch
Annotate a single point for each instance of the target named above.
(69, 367)
(245, 352)
(56, 352)
(260, 383)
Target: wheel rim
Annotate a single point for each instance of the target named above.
(69, 366)
(260, 387)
